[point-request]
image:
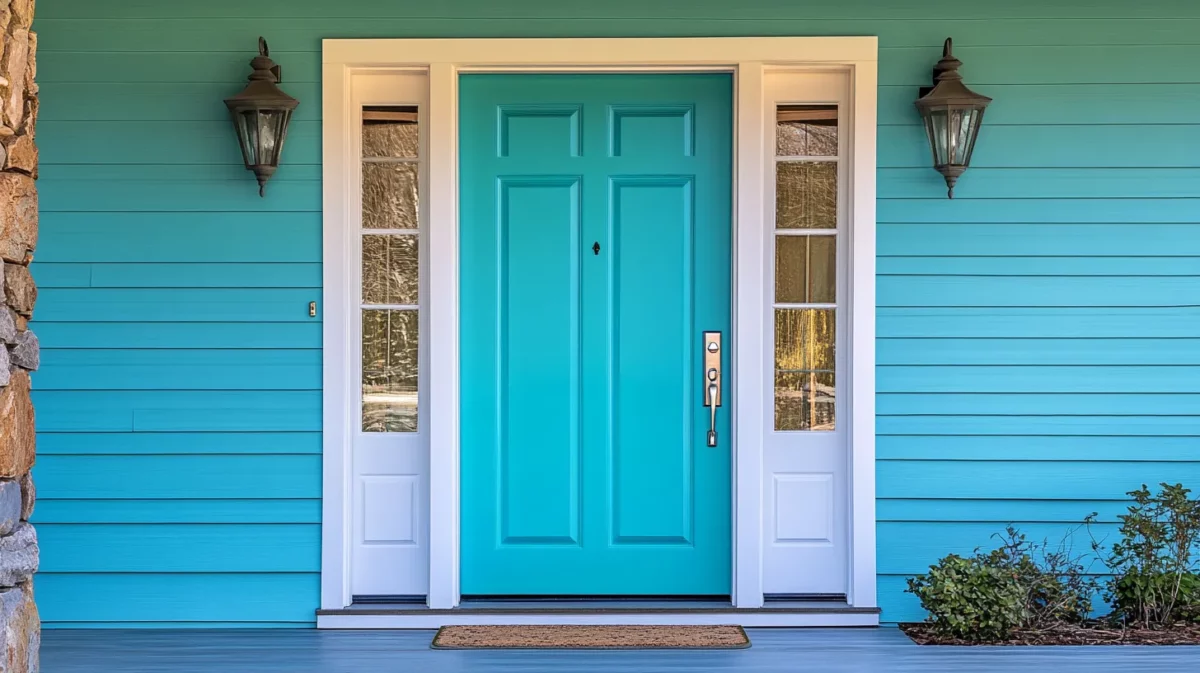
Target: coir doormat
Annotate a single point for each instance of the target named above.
(571, 637)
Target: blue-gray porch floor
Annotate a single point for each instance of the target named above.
(774, 650)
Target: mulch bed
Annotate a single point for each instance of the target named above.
(1082, 634)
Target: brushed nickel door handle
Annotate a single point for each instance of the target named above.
(712, 381)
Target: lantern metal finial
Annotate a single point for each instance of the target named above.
(952, 114)
(261, 113)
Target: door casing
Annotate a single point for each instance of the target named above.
(351, 64)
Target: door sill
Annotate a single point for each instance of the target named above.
(781, 614)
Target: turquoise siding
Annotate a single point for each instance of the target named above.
(1038, 345)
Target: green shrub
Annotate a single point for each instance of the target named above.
(968, 598)
(1018, 585)
(1155, 599)
(1154, 564)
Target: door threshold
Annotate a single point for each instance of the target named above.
(782, 614)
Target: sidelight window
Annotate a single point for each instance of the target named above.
(390, 268)
(806, 260)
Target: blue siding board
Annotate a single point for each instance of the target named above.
(1037, 379)
(196, 548)
(179, 377)
(146, 335)
(267, 275)
(1038, 351)
(1025, 291)
(182, 237)
(259, 511)
(1040, 426)
(1121, 406)
(1036, 239)
(1064, 514)
(1035, 448)
(227, 357)
(910, 545)
(1023, 323)
(217, 476)
(178, 443)
(183, 597)
(1012, 480)
(1037, 334)
(1115, 267)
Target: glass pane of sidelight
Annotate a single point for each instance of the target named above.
(390, 132)
(389, 196)
(805, 269)
(389, 371)
(805, 390)
(390, 269)
(806, 131)
(806, 195)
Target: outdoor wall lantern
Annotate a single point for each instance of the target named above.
(952, 114)
(261, 113)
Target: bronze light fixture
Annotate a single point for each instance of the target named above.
(261, 113)
(952, 114)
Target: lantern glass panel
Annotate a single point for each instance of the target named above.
(271, 125)
(952, 132)
(935, 127)
(966, 127)
(247, 128)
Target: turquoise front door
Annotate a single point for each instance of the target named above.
(595, 252)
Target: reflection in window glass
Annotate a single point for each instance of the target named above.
(390, 132)
(805, 386)
(390, 269)
(389, 370)
(806, 195)
(805, 269)
(806, 131)
(389, 196)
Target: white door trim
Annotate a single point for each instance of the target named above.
(748, 59)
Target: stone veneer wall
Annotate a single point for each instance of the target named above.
(20, 627)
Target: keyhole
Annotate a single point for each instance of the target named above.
(596, 247)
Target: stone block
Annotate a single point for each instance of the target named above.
(20, 292)
(28, 495)
(8, 327)
(20, 631)
(21, 154)
(18, 556)
(10, 506)
(27, 351)
(31, 87)
(5, 366)
(22, 13)
(13, 65)
(18, 217)
(31, 116)
(17, 440)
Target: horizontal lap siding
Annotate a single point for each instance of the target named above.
(1038, 334)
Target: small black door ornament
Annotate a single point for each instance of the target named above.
(596, 247)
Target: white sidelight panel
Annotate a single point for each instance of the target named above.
(806, 548)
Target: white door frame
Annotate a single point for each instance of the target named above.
(442, 60)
